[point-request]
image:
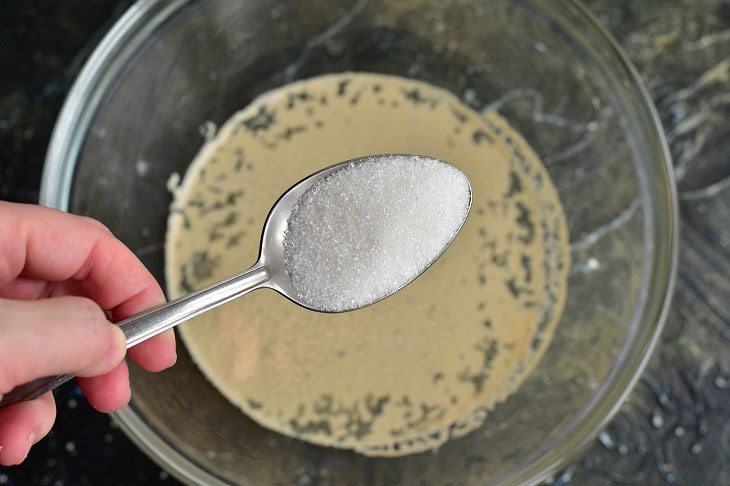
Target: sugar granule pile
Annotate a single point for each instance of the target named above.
(363, 232)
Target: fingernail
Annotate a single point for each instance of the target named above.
(113, 351)
(31, 441)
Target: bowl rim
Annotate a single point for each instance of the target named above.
(144, 16)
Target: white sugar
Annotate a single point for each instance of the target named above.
(363, 232)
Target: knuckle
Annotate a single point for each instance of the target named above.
(96, 224)
(89, 313)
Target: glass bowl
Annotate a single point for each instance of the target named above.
(134, 117)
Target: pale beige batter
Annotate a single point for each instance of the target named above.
(423, 365)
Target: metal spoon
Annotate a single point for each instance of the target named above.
(269, 271)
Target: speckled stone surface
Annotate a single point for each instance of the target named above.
(675, 428)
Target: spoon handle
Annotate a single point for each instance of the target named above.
(152, 322)
(149, 323)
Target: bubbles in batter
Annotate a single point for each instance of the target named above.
(424, 365)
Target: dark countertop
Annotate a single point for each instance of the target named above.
(675, 428)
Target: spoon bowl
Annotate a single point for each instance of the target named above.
(272, 257)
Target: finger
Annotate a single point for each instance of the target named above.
(108, 392)
(24, 289)
(45, 244)
(31, 289)
(61, 335)
(22, 425)
(154, 354)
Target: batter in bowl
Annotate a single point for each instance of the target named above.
(420, 367)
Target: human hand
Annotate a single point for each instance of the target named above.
(59, 274)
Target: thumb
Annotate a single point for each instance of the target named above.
(60, 335)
